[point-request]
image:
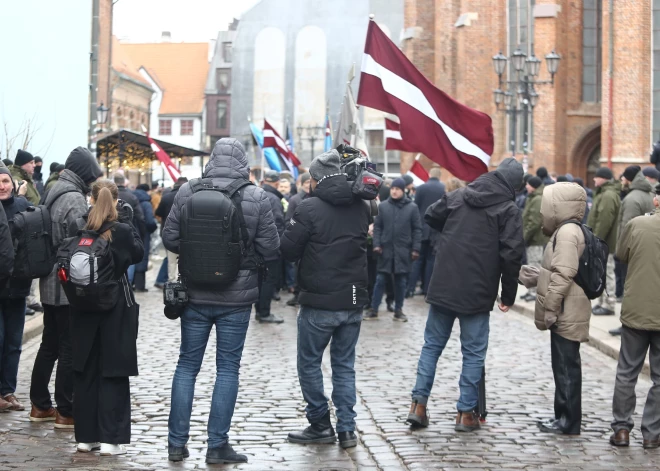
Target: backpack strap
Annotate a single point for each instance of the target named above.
(234, 193)
(569, 221)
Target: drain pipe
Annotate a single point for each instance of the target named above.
(610, 125)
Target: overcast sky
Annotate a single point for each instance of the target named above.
(187, 20)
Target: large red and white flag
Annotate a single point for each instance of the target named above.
(455, 136)
(165, 160)
(393, 140)
(273, 139)
(418, 172)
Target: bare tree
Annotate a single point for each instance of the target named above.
(23, 137)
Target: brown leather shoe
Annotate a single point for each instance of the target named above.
(15, 405)
(418, 415)
(62, 422)
(620, 438)
(5, 406)
(648, 444)
(38, 415)
(467, 422)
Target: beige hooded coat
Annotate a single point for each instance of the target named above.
(561, 304)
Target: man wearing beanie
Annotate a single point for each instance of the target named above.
(397, 243)
(304, 181)
(328, 236)
(604, 221)
(55, 171)
(652, 175)
(542, 173)
(67, 202)
(22, 171)
(38, 177)
(479, 246)
(535, 239)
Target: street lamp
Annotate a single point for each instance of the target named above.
(498, 95)
(552, 60)
(101, 115)
(518, 60)
(533, 65)
(499, 62)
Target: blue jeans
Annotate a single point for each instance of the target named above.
(12, 321)
(316, 327)
(423, 266)
(131, 274)
(474, 345)
(231, 324)
(400, 283)
(162, 273)
(289, 274)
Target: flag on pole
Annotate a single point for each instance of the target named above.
(393, 139)
(268, 153)
(327, 145)
(349, 129)
(418, 172)
(455, 136)
(274, 140)
(165, 160)
(289, 138)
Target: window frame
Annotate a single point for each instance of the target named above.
(225, 117)
(218, 72)
(161, 123)
(592, 54)
(191, 123)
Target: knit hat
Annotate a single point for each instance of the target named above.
(542, 172)
(534, 182)
(304, 178)
(512, 172)
(579, 181)
(53, 166)
(562, 179)
(81, 162)
(324, 165)
(408, 179)
(38, 160)
(604, 172)
(570, 177)
(271, 176)
(651, 172)
(22, 158)
(631, 172)
(8, 162)
(399, 183)
(526, 177)
(143, 187)
(4, 170)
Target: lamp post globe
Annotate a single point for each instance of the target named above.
(499, 63)
(533, 98)
(533, 65)
(508, 99)
(552, 61)
(519, 60)
(498, 96)
(101, 114)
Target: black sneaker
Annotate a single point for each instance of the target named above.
(224, 455)
(602, 311)
(318, 432)
(276, 297)
(400, 316)
(36, 307)
(30, 312)
(370, 315)
(347, 439)
(177, 453)
(293, 302)
(269, 319)
(390, 307)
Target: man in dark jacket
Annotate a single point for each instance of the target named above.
(138, 215)
(228, 309)
(37, 176)
(6, 250)
(480, 246)
(163, 210)
(303, 194)
(144, 198)
(67, 202)
(425, 196)
(546, 179)
(397, 241)
(328, 234)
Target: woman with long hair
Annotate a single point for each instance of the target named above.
(104, 343)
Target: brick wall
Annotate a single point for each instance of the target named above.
(104, 56)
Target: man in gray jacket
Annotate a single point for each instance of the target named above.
(228, 309)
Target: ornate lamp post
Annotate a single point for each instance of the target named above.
(101, 117)
(310, 133)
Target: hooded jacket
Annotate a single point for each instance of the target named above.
(328, 234)
(604, 214)
(398, 231)
(532, 224)
(480, 244)
(637, 202)
(15, 288)
(275, 198)
(19, 175)
(561, 304)
(227, 163)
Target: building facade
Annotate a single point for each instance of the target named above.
(604, 106)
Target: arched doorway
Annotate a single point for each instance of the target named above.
(586, 154)
(592, 165)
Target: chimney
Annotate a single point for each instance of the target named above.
(166, 37)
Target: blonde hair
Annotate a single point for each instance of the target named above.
(454, 184)
(105, 195)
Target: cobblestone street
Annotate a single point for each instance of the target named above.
(520, 392)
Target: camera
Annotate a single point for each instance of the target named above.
(175, 297)
(359, 170)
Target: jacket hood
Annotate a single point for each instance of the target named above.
(561, 202)
(488, 190)
(68, 181)
(82, 163)
(641, 183)
(608, 186)
(512, 171)
(142, 196)
(228, 160)
(334, 190)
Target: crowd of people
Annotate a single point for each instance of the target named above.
(465, 247)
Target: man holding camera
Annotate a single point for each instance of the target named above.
(328, 235)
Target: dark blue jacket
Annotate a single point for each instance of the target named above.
(427, 194)
(144, 200)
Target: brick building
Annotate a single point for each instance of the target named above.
(587, 118)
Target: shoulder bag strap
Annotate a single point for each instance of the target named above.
(569, 221)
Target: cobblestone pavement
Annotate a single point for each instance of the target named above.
(520, 391)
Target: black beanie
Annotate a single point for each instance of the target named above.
(22, 158)
(38, 160)
(534, 182)
(604, 172)
(82, 163)
(143, 187)
(542, 172)
(53, 167)
(631, 172)
(579, 181)
(562, 179)
(8, 162)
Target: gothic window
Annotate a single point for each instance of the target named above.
(592, 50)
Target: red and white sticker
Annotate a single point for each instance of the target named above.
(85, 242)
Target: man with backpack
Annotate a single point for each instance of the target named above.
(66, 202)
(23, 171)
(221, 227)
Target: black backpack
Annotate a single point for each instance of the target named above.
(592, 272)
(214, 241)
(86, 271)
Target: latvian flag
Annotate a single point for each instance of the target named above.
(273, 139)
(393, 139)
(449, 133)
(418, 172)
(165, 160)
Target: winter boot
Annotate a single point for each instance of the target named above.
(418, 415)
(320, 431)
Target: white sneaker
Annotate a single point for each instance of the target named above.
(110, 450)
(87, 447)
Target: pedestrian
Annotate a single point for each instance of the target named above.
(397, 242)
(535, 239)
(427, 194)
(23, 170)
(542, 173)
(67, 201)
(270, 276)
(284, 187)
(480, 247)
(410, 186)
(156, 194)
(328, 235)
(55, 171)
(164, 209)
(303, 194)
(640, 335)
(105, 342)
(604, 220)
(652, 175)
(142, 195)
(383, 195)
(521, 196)
(590, 200)
(37, 176)
(12, 302)
(127, 196)
(227, 308)
(6, 246)
(561, 305)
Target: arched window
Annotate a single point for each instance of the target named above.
(269, 62)
(592, 50)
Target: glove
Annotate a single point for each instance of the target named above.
(378, 250)
(414, 255)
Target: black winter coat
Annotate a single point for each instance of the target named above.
(426, 195)
(138, 215)
(275, 198)
(15, 288)
(165, 205)
(480, 242)
(150, 224)
(117, 329)
(293, 204)
(328, 234)
(655, 155)
(398, 231)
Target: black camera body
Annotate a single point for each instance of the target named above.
(361, 171)
(175, 297)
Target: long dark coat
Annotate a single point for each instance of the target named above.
(398, 231)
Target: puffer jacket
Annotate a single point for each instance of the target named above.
(604, 214)
(637, 202)
(227, 163)
(398, 232)
(561, 304)
(532, 224)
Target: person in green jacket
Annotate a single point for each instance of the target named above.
(535, 239)
(22, 170)
(604, 221)
(55, 170)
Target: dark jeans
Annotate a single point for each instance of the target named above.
(316, 327)
(620, 272)
(231, 324)
(102, 410)
(567, 371)
(55, 346)
(162, 273)
(289, 274)
(400, 283)
(422, 267)
(12, 321)
(267, 286)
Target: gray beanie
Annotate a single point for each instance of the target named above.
(512, 172)
(324, 165)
